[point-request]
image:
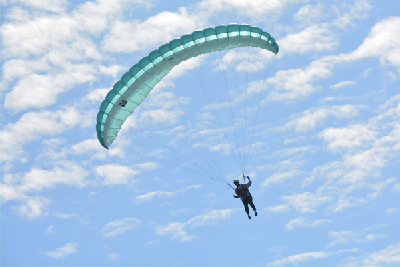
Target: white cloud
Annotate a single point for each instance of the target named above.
(311, 39)
(58, 47)
(312, 117)
(116, 174)
(280, 178)
(351, 137)
(379, 186)
(392, 211)
(150, 195)
(33, 207)
(388, 256)
(17, 186)
(343, 237)
(345, 202)
(177, 230)
(118, 227)
(309, 14)
(32, 126)
(156, 30)
(49, 230)
(366, 72)
(396, 187)
(65, 215)
(113, 70)
(63, 251)
(306, 256)
(98, 94)
(113, 256)
(358, 11)
(379, 141)
(258, 9)
(152, 242)
(305, 202)
(147, 166)
(277, 208)
(88, 146)
(341, 84)
(41, 90)
(244, 59)
(50, 5)
(277, 249)
(286, 152)
(382, 42)
(302, 222)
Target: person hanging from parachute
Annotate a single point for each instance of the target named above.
(242, 192)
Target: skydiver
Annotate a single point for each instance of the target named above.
(242, 192)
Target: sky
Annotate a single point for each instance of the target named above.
(316, 127)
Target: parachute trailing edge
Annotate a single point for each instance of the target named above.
(136, 84)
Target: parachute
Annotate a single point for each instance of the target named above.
(136, 84)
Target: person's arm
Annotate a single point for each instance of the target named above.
(236, 194)
(249, 183)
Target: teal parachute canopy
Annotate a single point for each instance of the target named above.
(137, 83)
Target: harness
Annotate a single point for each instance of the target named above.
(243, 191)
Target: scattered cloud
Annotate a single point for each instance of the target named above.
(280, 177)
(306, 202)
(307, 256)
(392, 211)
(396, 187)
(118, 227)
(342, 84)
(113, 256)
(343, 237)
(152, 242)
(348, 14)
(302, 222)
(177, 229)
(310, 118)
(155, 31)
(382, 42)
(115, 174)
(310, 14)
(312, 39)
(63, 251)
(384, 257)
(33, 207)
(277, 208)
(18, 186)
(55, 6)
(349, 138)
(150, 195)
(65, 215)
(278, 249)
(49, 230)
(32, 126)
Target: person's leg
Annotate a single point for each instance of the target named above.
(246, 207)
(252, 205)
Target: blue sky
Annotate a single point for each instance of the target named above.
(323, 157)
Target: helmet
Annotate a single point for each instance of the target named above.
(235, 181)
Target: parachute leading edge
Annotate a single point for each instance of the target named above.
(137, 83)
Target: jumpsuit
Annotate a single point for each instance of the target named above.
(243, 192)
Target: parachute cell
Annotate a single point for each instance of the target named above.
(137, 83)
